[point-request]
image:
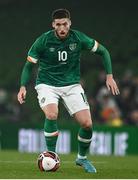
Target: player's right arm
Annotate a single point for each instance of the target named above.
(33, 56)
(25, 77)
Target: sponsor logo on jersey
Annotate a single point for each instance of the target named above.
(51, 49)
(72, 46)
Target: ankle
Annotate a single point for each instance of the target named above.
(81, 157)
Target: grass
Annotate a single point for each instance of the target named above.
(14, 165)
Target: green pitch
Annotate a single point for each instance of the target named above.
(16, 165)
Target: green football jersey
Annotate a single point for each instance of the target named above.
(59, 59)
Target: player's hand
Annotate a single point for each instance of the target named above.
(111, 84)
(21, 95)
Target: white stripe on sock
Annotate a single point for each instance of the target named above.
(51, 134)
(84, 140)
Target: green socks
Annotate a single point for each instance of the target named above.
(84, 140)
(51, 134)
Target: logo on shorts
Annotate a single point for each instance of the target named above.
(73, 46)
(43, 100)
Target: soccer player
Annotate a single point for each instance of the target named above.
(58, 54)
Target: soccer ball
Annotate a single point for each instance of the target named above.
(48, 161)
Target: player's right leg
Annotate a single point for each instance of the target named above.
(50, 126)
(48, 101)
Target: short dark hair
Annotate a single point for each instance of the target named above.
(60, 13)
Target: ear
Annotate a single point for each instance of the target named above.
(53, 24)
(69, 22)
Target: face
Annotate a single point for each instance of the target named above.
(61, 27)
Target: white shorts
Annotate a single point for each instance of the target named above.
(73, 96)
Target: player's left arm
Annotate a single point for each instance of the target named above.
(88, 43)
(110, 82)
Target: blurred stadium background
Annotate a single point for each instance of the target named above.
(115, 118)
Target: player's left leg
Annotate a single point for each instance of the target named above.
(76, 103)
(84, 139)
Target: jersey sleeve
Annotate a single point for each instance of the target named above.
(36, 50)
(87, 42)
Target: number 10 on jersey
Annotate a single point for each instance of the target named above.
(62, 55)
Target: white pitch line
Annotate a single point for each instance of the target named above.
(96, 162)
(62, 162)
(17, 162)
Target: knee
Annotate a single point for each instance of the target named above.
(87, 124)
(51, 115)
(51, 111)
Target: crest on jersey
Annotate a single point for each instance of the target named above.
(51, 49)
(73, 46)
